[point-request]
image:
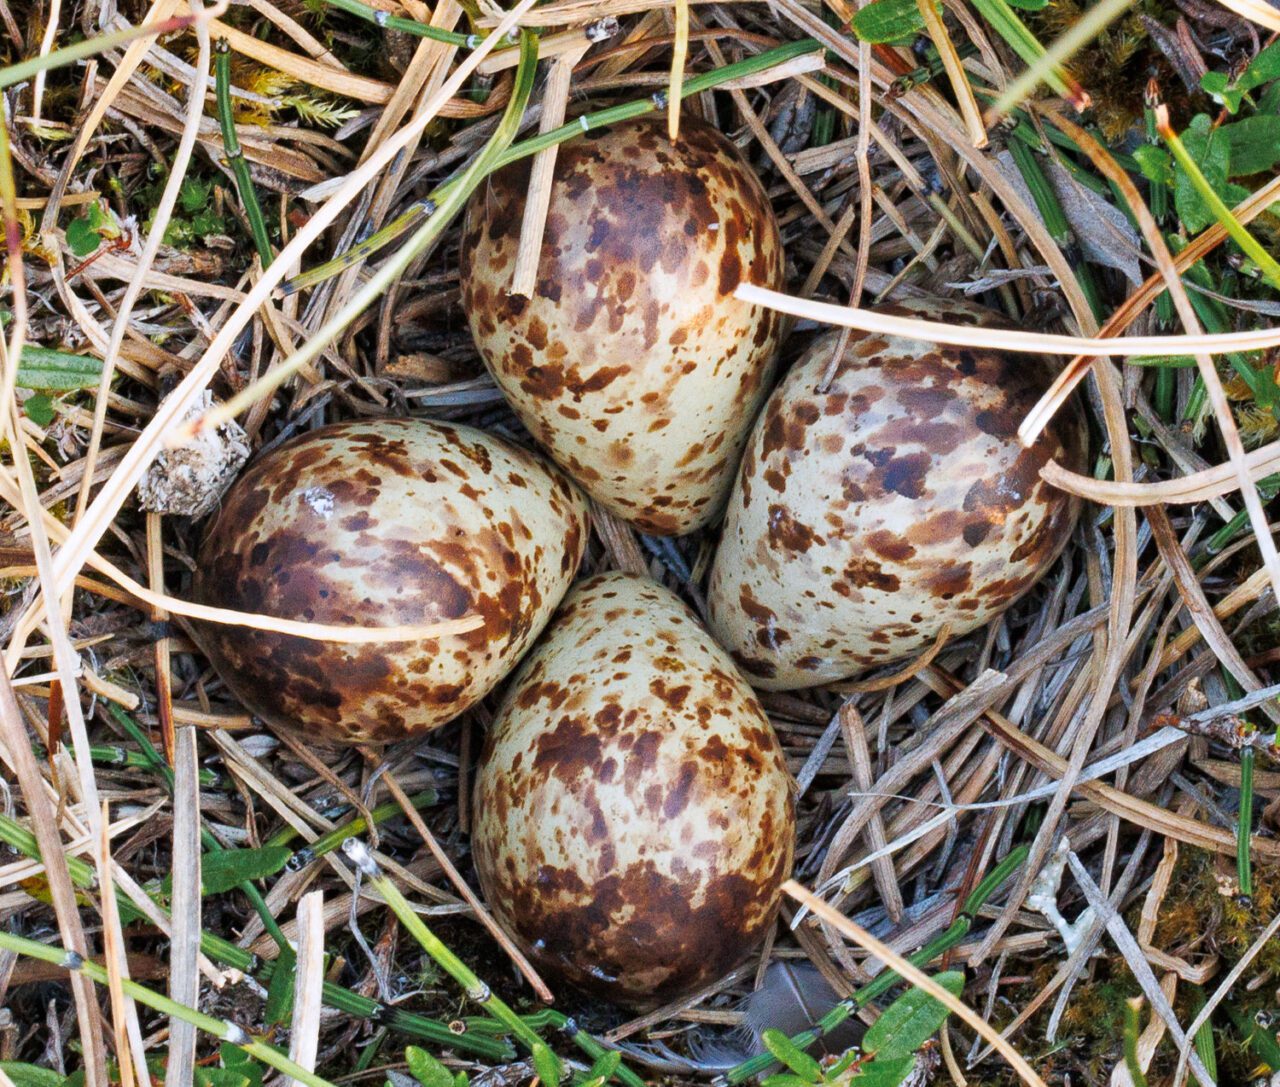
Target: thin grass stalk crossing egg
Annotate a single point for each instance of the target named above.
(390, 522)
(633, 812)
(869, 515)
(633, 364)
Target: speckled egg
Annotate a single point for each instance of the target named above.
(900, 499)
(633, 813)
(389, 522)
(633, 364)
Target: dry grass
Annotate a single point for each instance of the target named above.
(1071, 718)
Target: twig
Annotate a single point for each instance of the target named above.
(219, 1028)
(1137, 962)
(555, 99)
(915, 976)
(679, 55)
(1224, 988)
(184, 947)
(442, 858)
(999, 339)
(304, 1032)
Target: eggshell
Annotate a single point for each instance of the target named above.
(633, 364)
(383, 523)
(633, 814)
(868, 516)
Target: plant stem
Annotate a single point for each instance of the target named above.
(221, 1029)
(475, 989)
(226, 953)
(1252, 247)
(408, 26)
(234, 153)
(944, 941)
(1004, 20)
(1244, 823)
(1268, 488)
(90, 47)
(1131, 1010)
(1204, 1036)
(211, 844)
(422, 241)
(584, 1041)
(587, 122)
(1055, 219)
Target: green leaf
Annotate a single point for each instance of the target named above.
(30, 1075)
(221, 1077)
(785, 1079)
(82, 238)
(1217, 86)
(1211, 153)
(1269, 100)
(911, 1020)
(1259, 1041)
(884, 1073)
(237, 1060)
(1262, 69)
(460, 1080)
(605, 1066)
(223, 871)
(1029, 5)
(42, 368)
(426, 1069)
(1155, 163)
(788, 1053)
(843, 1064)
(279, 1006)
(1253, 144)
(884, 21)
(547, 1065)
(39, 409)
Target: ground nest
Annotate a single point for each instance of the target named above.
(1107, 744)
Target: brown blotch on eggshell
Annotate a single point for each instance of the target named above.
(633, 812)
(633, 363)
(868, 515)
(391, 522)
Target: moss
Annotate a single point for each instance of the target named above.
(1115, 67)
(1195, 911)
(1195, 918)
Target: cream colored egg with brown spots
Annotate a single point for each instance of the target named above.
(633, 813)
(390, 522)
(900, 500)
(632, 363)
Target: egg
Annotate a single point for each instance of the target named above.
(632, 363)
(633, 813)
(899, 500)
(388, 522)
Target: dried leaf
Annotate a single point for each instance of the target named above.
(1104, 234)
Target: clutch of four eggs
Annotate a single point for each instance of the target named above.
(633, 813)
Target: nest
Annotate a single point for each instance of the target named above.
(1100, 738)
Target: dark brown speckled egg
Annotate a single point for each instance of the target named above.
(633, 815)
(633, 364)
(390, 522)
(900, 499)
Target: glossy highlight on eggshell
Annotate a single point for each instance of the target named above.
(633, 817)
(899, 499)
(633, 363)
(384, 523)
